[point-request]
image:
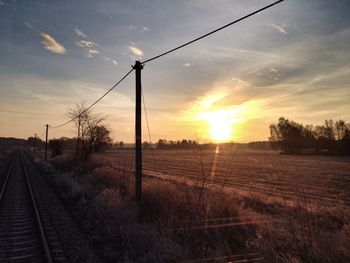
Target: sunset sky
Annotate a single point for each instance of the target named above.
(292, 60)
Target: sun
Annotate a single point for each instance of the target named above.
(220, 125)
(220, 131)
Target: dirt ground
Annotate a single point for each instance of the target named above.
(322, 179)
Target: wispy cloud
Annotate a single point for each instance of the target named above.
(111, 60)
(89, 47)
(92, 52)
(51, 44)
(79, 32)
(48, 41)
(140, 29)
(86, 44)
(29, 25)
(136, 51)
(280, 28)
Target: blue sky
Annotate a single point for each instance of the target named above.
(291, 60)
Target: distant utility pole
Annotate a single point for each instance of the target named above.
(47, 133)
(138, 130)
(78, 139)
(34, 143)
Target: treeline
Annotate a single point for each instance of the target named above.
(83, 147)
(12, 142)
(182, 144)
(333, 137)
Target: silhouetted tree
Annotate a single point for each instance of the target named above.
(341, 130)
(289, 134)
(100, 138)
(92, 135)
(55, 145)
(333, 137)
(161, 144)
(146, 145)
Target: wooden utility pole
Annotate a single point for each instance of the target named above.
(47, 133)
(34, 144)
(78, 140)
(138, 133)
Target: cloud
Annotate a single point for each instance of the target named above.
(140, 29)
(280, 28)
(111, 60)
(136, 51)
(50, 44)
(89, 47)
(86, 44)
(91, 52)
(48, 41)
(29, 25)
(187, 64)
(79, 32)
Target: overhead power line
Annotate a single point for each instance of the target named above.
(165, 53)
(93, 104)
(210, 33)
(41, 135)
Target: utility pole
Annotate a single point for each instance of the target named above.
(34, 143)
(78, 140)
(138, 130)
(47, 133)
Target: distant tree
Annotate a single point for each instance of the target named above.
(55, 145)
(146, 145)
(35, 142)
(342, 134)
(121, 144)
(92, 134)
(341, 130)
(172, 144)
(333, 137)
(68, 143)
(161, 144)
(100, 138)
(329, 130)
(275, 137)
(288, 134)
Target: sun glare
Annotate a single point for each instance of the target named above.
(218, 118)
(220, 125)
(220, 128)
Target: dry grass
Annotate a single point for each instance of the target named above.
(174, 221)
(301, 231)
(160, 229)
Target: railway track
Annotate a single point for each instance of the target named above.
(26, 235)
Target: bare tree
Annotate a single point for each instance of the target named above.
(341, 129)
(92, 134)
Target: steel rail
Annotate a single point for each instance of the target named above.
(37, 215)
(6, 179)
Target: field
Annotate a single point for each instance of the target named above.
(320, 179)
(217, 205)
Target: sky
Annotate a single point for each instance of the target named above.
(292, 60)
